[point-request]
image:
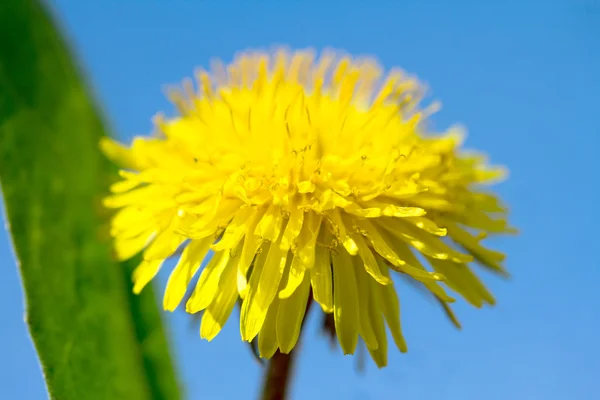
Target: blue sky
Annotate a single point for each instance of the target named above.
(521, 75)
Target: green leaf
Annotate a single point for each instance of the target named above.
(95, 339)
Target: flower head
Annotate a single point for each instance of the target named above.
(304, 178)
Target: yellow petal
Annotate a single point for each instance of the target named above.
(392, 210)
(379, 240)
(308, 239)
(427, 225)
(295, 278)
(355, 209)
(461, 279)
(260, 296)
(130, 181)
(306, 187)
(269, 226)
(267, 338)
(290, 315)
(144, 273)
(428, 245)
(390, 306)
(345, 301)
(405, 253)
(130, 221)
(293, 227)
(236, 229)
(118, 153)
(125, 247)
(164, 245)
(210, 223)
(364, 288)
(488, 258)
(249, 248)
(321, 279)
(136, 197)
(251, 245)
(187, 266)
(449, 313)
(220, 308)
(208, 283)
(339, 229)
(379, 355)
(369, 262)
(477, 219)
(200, 203)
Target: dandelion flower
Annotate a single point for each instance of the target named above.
(299, 177)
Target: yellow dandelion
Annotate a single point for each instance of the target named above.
(304, 178)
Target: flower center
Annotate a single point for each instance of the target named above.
(301, 136)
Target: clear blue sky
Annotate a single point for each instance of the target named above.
(523, 77)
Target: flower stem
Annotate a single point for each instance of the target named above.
(278, 376)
